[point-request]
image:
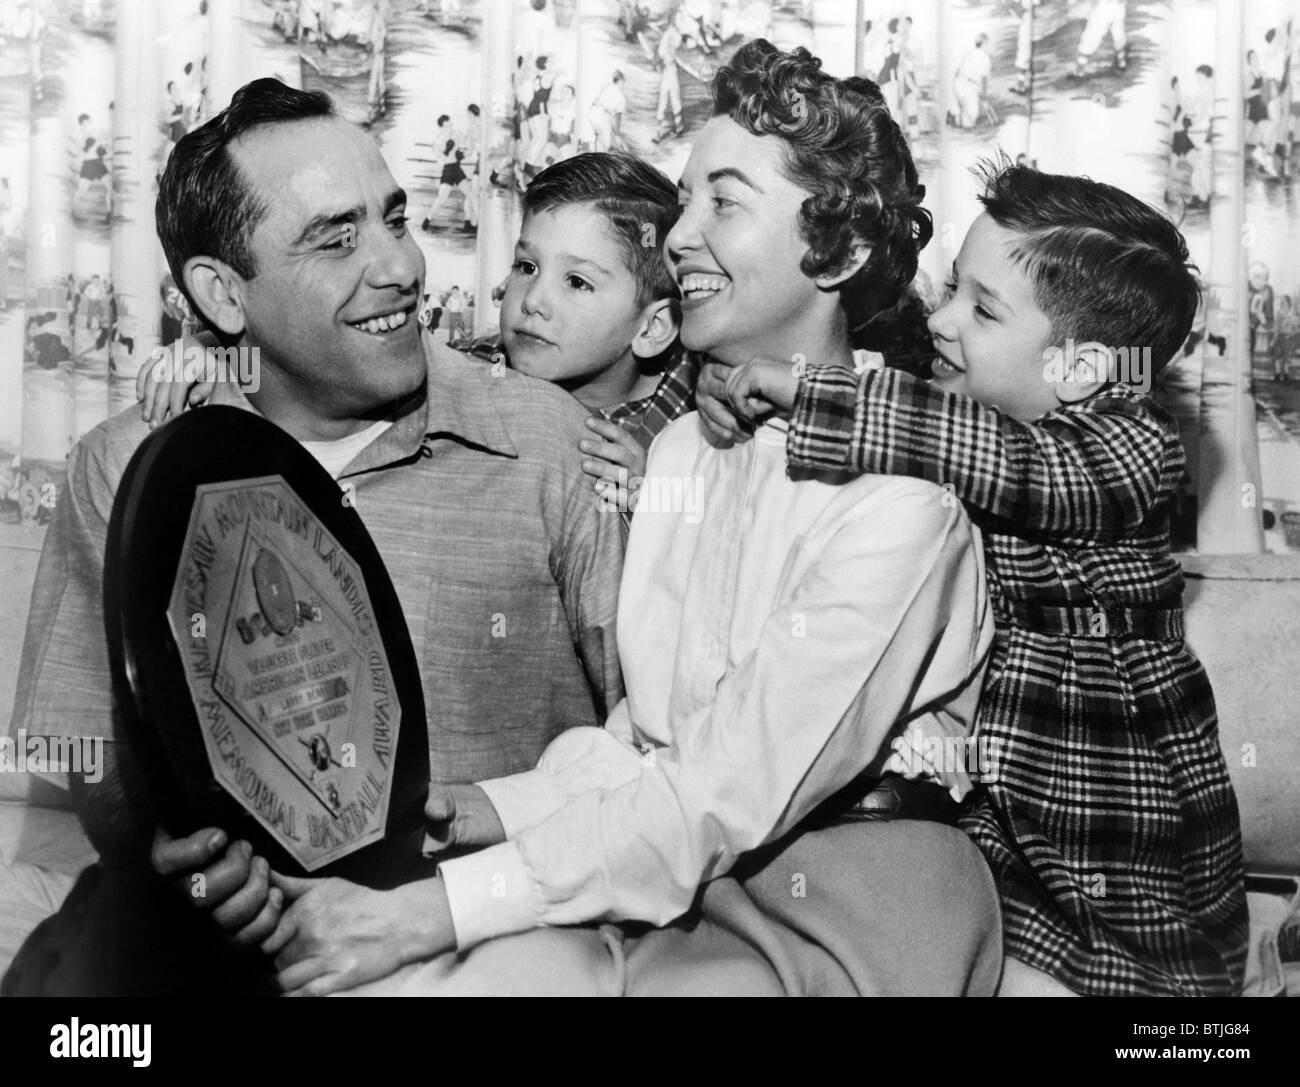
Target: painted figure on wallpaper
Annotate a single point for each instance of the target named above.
(606, 115)
(1105, 18)
(448, 12)
(20, 21)
(1024, 11)
(456, 152)
(970, 87)
(1198, 125)
(1286, 338)
(909, 82)
(342, 51)
(1191, 134)
(668, 111)
(92, 167)
(1269, 102)
(1260, 308)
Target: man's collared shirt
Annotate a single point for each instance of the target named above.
(505, 566)
(776, 637)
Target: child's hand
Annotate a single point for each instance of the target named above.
(614, 462)
(166, 387)
(761, 387)
(721, 426)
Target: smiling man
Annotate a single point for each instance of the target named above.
(287, 233)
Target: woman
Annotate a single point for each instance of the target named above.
(774, 637)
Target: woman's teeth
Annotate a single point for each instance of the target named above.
(697, 284)
(387, 323)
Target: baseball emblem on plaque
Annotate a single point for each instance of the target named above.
(260, 653)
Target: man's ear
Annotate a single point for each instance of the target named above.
(1086, 372)
(217, 290)
(656, 328)
(858, 256)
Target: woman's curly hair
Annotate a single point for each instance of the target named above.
(842, 145)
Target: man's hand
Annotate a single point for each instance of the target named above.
(615, 460)
(231, 882)
(462, 815)
(337, 935)
(166, 386)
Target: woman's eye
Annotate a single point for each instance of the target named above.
(338, 243)
(721, 202)
(985, 313)
(578, 283)
(523, 267)
(399, 223)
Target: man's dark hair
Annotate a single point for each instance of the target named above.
(639, 203)
(1106, 267)
(204, 206)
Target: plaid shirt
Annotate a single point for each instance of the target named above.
(673, 397)
(1107, 815)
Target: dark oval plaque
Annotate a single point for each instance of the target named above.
(260, 656)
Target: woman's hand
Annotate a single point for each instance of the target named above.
(337, 935)
(615, 459)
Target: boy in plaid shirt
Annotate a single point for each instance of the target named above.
(1107, 815)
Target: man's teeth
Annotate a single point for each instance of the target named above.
(942, 366)
(387, 323)
(696, 283)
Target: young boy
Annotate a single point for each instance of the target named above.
(589, 305)
(1107, 817)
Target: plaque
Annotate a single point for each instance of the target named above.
(261, 661)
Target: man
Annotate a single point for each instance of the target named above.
(287, 233)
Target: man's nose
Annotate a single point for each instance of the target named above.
(394, 261)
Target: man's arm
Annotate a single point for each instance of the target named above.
(891, 620)
(1079, 477)
(65, 689)
(588, 566)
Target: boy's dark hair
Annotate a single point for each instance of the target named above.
(639, 202)
(204, 205)
(1106, 267)
(842, 145)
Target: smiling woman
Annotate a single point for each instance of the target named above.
(802, 216)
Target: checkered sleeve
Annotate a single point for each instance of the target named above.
(1082, 475)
